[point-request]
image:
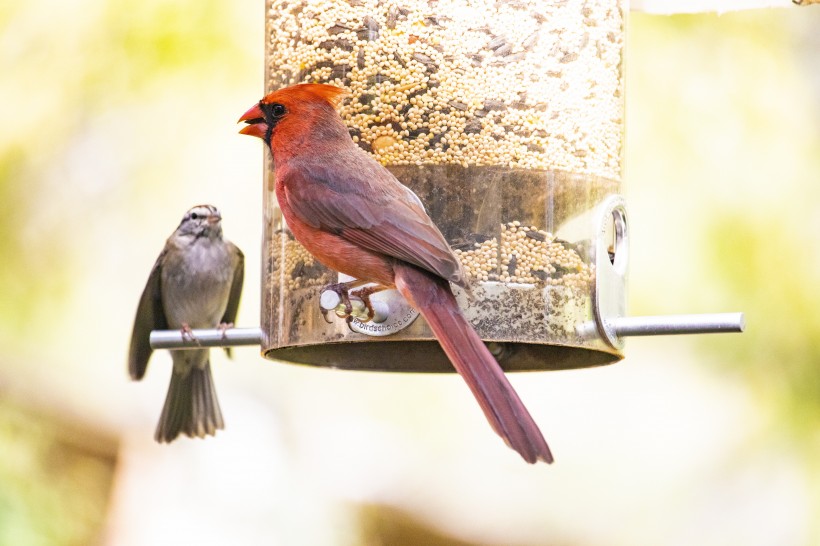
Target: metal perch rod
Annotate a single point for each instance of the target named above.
(212, 337)
(715, 323)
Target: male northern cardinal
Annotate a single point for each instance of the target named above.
(196, 283)
(355, 217)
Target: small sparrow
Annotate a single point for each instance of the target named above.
(196, 283)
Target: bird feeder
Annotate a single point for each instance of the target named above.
(506, 118)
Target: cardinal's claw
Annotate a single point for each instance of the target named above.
(324, 315)
(349, 322)
(364, 295)
(341, 289)
(348, 306)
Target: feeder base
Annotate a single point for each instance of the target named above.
(425, 356)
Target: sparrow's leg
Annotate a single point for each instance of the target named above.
(224, 327)
(188, 333)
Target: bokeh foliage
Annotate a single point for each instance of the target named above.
(723, 137)
(83, 82)
(54, 490)
(736, 99)
(741, 129)
(78, 73)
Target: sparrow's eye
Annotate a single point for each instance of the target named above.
(194, 216)
(277, 110)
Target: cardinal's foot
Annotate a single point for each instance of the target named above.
(341, 290)
(364, 295)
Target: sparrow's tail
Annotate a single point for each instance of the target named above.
(506, 413)
(191, 406)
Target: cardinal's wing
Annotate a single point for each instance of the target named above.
(355, 197)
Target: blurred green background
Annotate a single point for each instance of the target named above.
(117, 117)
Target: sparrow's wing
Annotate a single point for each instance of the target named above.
(364, 203)
(236, 289)
(150, 316)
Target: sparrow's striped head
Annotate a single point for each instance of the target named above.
(201, 220)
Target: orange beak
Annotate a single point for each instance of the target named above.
(255, 120)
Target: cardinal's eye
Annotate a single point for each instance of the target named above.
(277, 110)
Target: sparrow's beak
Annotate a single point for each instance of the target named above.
(214, 218)
(255, 120)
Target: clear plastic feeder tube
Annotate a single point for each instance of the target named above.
(506, 119)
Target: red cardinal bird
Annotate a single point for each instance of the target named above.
(355, 217)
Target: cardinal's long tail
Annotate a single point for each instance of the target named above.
(191, 406)
(506, 413)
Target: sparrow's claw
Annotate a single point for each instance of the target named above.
(188, 333)
(224, 327)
